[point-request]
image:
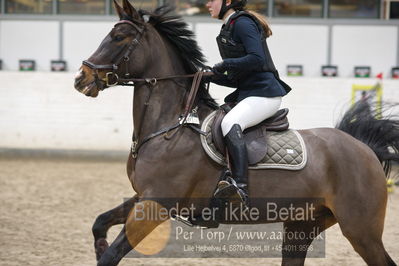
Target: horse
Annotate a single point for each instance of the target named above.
(158, 52)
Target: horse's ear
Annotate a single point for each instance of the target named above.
(130, 10)
(119, 10)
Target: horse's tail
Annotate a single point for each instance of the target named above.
(375, 126)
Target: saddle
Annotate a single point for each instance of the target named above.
(255, 137)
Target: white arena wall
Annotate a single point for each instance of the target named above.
(308, 42)
(41, 110)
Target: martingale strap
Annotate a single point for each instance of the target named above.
(136, 145)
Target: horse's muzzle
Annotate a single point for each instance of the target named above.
(84, 85)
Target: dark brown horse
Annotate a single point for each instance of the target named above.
(341, 170)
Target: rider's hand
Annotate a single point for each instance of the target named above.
(219, 68)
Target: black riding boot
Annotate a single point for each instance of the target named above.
(239, 159)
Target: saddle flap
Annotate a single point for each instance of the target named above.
(255, 141)
(216, 130)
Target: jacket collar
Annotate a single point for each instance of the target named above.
(227, 18)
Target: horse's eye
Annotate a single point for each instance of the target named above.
(119, 38)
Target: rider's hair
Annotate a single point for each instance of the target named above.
(263, 22)
(241, 5)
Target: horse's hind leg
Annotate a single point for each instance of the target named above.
(299, 235)
(368, 245)
(365, 235)
(110, 218)
(361, 219)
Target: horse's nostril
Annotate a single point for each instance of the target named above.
(79, 74)
(79, 77)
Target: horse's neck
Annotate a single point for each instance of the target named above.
(166, 101)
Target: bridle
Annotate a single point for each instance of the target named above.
(112, 79)
(115, 66)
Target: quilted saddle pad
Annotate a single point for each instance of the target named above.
(286, 149)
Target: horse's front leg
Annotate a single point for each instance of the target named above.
(118, 249)
(139, 224)
(110, 218)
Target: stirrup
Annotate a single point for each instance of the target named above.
(229, 190)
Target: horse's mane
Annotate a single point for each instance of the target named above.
(176, 30)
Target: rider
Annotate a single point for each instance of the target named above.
(247, 66)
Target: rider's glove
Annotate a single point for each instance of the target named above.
(219, 68)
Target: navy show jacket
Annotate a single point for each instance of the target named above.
(251, 81)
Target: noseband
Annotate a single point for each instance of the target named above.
(115, 66)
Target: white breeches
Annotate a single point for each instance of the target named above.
(250, 111)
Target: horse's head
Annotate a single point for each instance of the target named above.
(116, 54)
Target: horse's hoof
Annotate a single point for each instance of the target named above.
(101, 246)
